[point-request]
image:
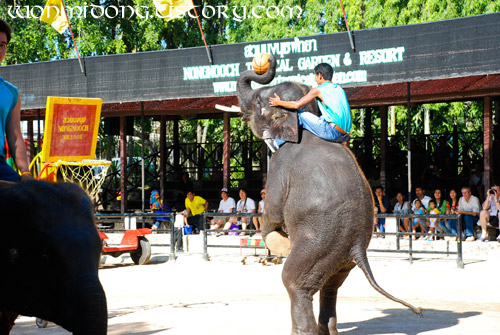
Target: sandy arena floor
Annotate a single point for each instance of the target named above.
(225, 297)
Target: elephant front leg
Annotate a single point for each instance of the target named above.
(328, 303)
(301, 288)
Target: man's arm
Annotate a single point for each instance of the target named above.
(313, 94)
(17, 147)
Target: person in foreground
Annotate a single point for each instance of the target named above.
(10, 118)
(335, 121)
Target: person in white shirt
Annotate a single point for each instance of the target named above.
(469, 207)
(257, 221)
(226, 205)
(424, 200)
(244, 205)
(489, 214)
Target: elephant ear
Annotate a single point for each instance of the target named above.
(285, 125)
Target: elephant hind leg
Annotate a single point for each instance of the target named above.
(327, 324)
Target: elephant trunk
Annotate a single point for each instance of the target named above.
(91, 317)
(244, 87)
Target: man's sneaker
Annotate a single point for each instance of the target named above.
(481, 239)
(498, 238)
(470, 238)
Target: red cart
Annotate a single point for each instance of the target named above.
(133, 242)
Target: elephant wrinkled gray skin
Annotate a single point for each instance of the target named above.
(49, 256)
(317, 189)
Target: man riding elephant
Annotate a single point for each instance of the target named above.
(335, 121)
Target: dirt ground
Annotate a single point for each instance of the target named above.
(224, 296)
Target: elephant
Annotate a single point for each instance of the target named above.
(49, 254)
(317, 189)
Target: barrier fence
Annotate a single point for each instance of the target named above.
(140, 219)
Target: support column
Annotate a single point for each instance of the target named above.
(31, 151)
(163, 160)
(408, 136)
(487, 141)
(123, 163)
(383, 146)
(177, 151)
(226, 151)
(368, 153)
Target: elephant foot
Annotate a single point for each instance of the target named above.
(278, 243)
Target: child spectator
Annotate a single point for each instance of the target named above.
(180, 221)
(432, 227)
(417, 223)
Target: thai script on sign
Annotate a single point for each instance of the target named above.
(281, 48)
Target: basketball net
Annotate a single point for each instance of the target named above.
(89, 174)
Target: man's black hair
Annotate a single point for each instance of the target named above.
(325, 69)
(5, 28)
(379, 187)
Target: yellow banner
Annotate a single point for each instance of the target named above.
(55, 15)
(171, 9)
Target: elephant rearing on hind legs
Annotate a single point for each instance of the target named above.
(317, 189)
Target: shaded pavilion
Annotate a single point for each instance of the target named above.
(444, 61)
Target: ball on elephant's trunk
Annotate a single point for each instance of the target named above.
(260, 63)
(279, 243)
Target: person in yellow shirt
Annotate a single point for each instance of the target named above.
(195, 207)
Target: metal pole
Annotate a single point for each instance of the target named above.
(142, 159)
(172, 240)
(408, 134)
(205, 246)
(460, 260)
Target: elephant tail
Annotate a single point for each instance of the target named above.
(362, 261)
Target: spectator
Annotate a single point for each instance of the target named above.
(244, 205)
(417, 222)
(195, 206)
(402, 207)
(424, 199)
(489, 214)
(383, 206)
(10, 121)
(424, 202)
(449, 226)
(432, 222)
(441, 205)
(469, 207)
(257, 221)
(226, 205)
(156, 205)
(180, 221)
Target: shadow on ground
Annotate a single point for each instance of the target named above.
(401, 321)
